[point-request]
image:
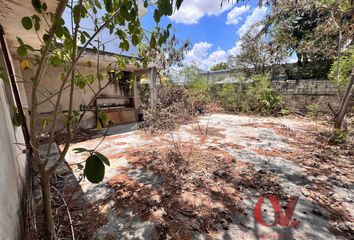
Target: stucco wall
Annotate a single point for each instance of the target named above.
(12, 170)
(50, 84)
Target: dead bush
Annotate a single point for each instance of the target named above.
(174, 107)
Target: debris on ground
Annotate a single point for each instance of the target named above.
(177, 186)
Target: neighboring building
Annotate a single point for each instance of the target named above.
(224, 76)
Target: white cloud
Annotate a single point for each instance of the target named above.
(257, 15)
(236, 49)
(199, 55)
(235, 15)
(198, 52)
(217, 56)
(192, 10)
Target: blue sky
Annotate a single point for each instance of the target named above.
(213, 31)
(210, 28)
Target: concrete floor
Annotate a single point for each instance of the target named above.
(278, 148)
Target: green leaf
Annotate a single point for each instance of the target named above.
(36, 21)
(108, 5)
(19, 40)
(83, 11)
(100, 77)
(98, 4)
(16, 117)
(135, 40)
(76, 14)
(169, 26)
(161, 40)
(44, 7)
(153, 41)
(94, 10)
(59, 31)
(94, 169)
(45, 37)
(178, 3)
(36, 18)
(76, 113)
(121, 20)
(27, 23)
(103, 158)
(56, 61)
(157, 16)
(68, 43)
(44, 122)
(86, 34)
(165, 7)
(102, 116)
(81, 150)
(37, 5)
(29, 47)
(22, 51)
(124, 45)
(61, 21)
(132, 15)
(124, 12)
(128, 4)
(146, 4)
(131, 27)
(82, 39)
(80, 81)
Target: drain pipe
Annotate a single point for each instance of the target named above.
(11, 74)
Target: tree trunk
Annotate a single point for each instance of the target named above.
(345, 103)
(47, 207)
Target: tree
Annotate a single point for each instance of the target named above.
(316, 30)
(189, 73)
(258, 53)
(220, 66)
(60, 47)
(295, 26)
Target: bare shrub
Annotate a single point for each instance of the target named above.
(174, 107)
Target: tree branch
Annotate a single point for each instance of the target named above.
(34, 141)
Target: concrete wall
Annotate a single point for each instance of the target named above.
(296, 93)
(12, 169)
(305, 87)
(299, 94)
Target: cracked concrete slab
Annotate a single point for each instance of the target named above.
(134, 189)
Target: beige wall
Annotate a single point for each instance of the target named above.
(12, 169)
(50, 85)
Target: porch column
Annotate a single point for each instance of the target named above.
(153, 94)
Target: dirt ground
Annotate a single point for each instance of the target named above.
(205, 181)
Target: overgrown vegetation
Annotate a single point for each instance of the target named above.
(250, 96)
(342, 75)
(338, 136)
(174, 106)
